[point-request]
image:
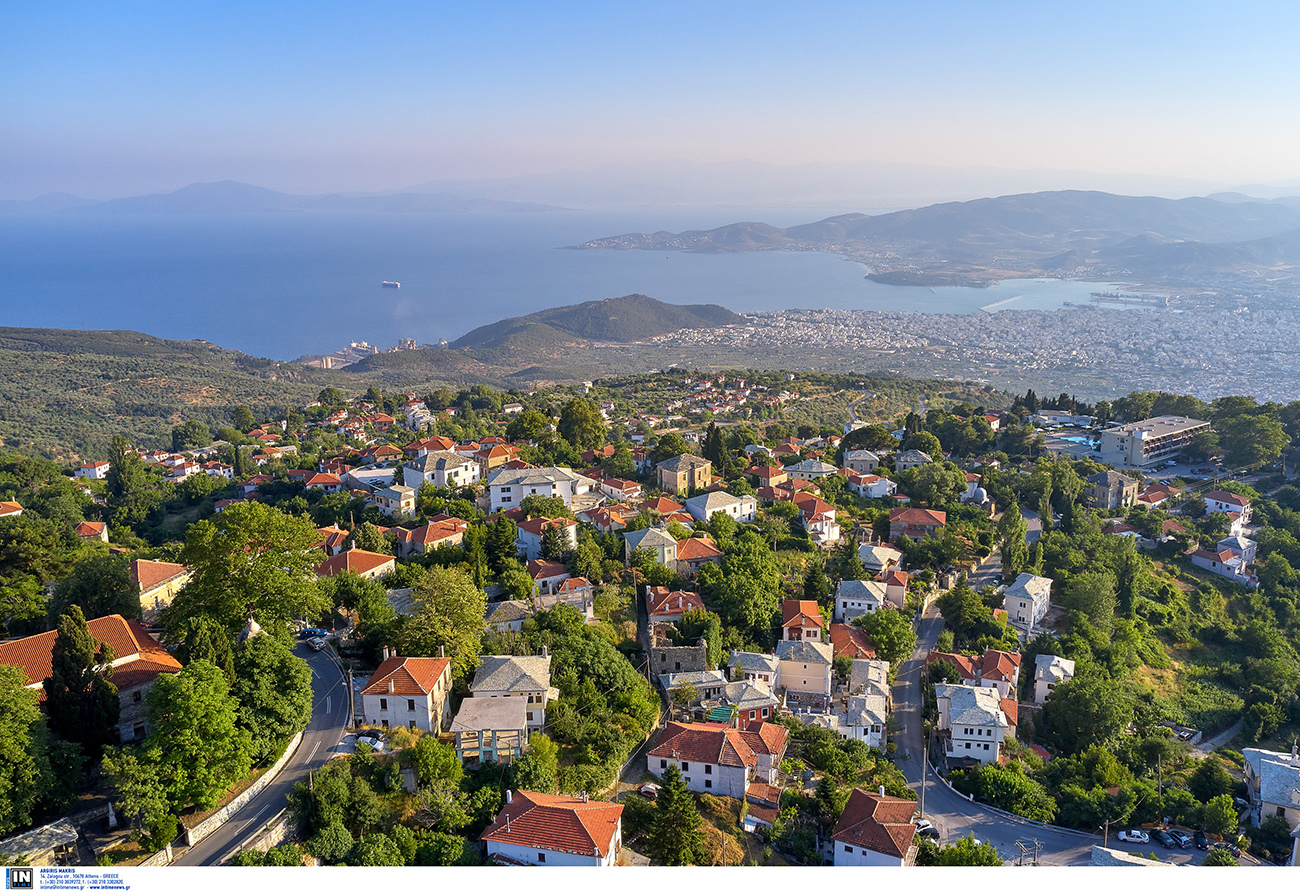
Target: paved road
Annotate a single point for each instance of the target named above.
(329, 718)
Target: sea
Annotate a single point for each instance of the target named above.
(281, 285)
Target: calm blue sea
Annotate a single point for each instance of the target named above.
(281, 285)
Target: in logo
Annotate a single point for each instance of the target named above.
(18, 877)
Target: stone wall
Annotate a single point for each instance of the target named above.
(223, 814)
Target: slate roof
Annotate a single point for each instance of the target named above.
(1053, 668)
(491, 714)
(707, 503)
(409, 675)
(512, 674)
(972, 706)
(805, 652)
(557, 823)
(879, 823)
(439, 461)
(508, 611)
(865, 589)
(684, 462)
(1030, 587)
(869, 675)
(657, 538)
(753, 662)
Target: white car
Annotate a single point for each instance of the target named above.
(318, 644)
(1137, 836)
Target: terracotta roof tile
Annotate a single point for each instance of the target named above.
(354, 561)
(697, 549)
(148, 575)
(707, 742)
(409, 675)
(127, 638)
(558, 823)
(852, 642)
(879, 823)
(799, 613)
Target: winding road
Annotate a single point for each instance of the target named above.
(320, 741)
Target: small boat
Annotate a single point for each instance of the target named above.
(391, 284)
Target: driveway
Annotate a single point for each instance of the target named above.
(329, 718)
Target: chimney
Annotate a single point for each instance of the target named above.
(882, 789)
(442, 651)
(584, 795)
(509, 796)
(390, 686)
(545, 651)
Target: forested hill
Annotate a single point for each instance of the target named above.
(620, 319)
(67, 392)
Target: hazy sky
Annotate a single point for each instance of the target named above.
(108, 99)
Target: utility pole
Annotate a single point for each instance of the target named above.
(1160, 788)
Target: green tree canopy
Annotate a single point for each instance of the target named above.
(450, 615)
(677, 834)
(891, 634)
(537, 769)
(100, 585)
(1081, 712)
(23, 768)
(81, 702)
(581, 424)
(273, 688)
(249, 560)
(1251, 439)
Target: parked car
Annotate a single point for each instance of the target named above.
(929, 833)
(924, 824)
(1182, 839)
(1165, 839)
(312, 633)
(1201, 841)
(1136, 836)
(649, 791)
(318, 644)
(1228, 847)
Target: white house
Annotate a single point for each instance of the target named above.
(1219, 502)
(529, 533)
(874, 830)
(855, 597)
(663, 545)
(974, 720)
(95, 470)
(528, 677)
(411, 692)
(395, 501)
(869, 486)
(718, 759)
(738, 508)
(1226, 563)
(1027, 601)
(810, 469)
(1049, 671)
(443, 469)
(564, 831)
(1244, 548)
(506, 489)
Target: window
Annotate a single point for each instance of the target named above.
(986, 746)
(677, 667)
(968, 744)
(530, 716)
(708, 784)
(383, 702)
(384, 723)
(411, 724)
(138, 731)
(753, 714)
(663, 763)
(708, 769)
(541, 857)
(135, 696)
(505, 499)
(764, 712)
(410, 706)
(686, 766)
(849, 849)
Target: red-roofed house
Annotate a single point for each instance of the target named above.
(1219, 502)
(719, 759)
(998, 669)
(547, 575)
(694, 553)
(874, 831)
(95, 470)
(1226, 563)
(528, 538)
(565, 831)
(323, 482)
(801, 621)
(669, 607)
(852, 642)
(333, 539)
(368, 564)
(434, 534)
(92, 529)
(916, 523)
(138, 661)
(10, 509)
(411, 692)
(158, 583)
(895, 587)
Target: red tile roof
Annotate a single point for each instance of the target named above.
(90, 529)
(409, 675)
(799, 613)
(148, 575)
(767, 738)
(896, 577)
(545, 569)
(918, 516)
(354, 561)
(434, 531)
(697, 549)
(852, 642)
(539, 525)
(662, 505)
(7, 508)
(879, 823)
(707, 742)
(1228, 498)
(557, 823)
(660, 602)
(127, 638)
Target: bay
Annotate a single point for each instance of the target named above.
(282, 285)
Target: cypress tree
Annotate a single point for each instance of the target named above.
(676, 835)
(81, 702)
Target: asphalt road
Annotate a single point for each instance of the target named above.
(329, 718)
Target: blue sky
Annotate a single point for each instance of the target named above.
(106, 99)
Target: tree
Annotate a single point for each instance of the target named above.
(669, 446)
(676, 836)
(620, 464)
(450, 616)
(101, 586)
(554, 543)
(140, 794)
(816, 587)
(79, 698)
(581, 424)
(132, 491)
(1012, 529)
(376, 850)
(938, 483)
(195, 739)
(1219, 815)
(1220, 858)
(537, 769)
(331, 843)
(23, 767)
(527, 425)
(273, 688)
(369, 537)
(1210, 779)
(200, 638)
(242, 418)
(1092, 593)
(436, 762)
(844, 562)
(190, 435)
(924, 441)
(251, 560)
(1251, 439)
(331, 397)
(1081, 712)
(966, 852)
(891, 634)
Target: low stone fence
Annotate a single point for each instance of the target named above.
(160, 858)
(223, 814)
(275, 831)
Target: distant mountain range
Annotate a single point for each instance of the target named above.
(1072, 233)
(229, 197)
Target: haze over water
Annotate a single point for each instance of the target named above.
(282, 285)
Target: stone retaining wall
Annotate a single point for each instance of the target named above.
(223, 814)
